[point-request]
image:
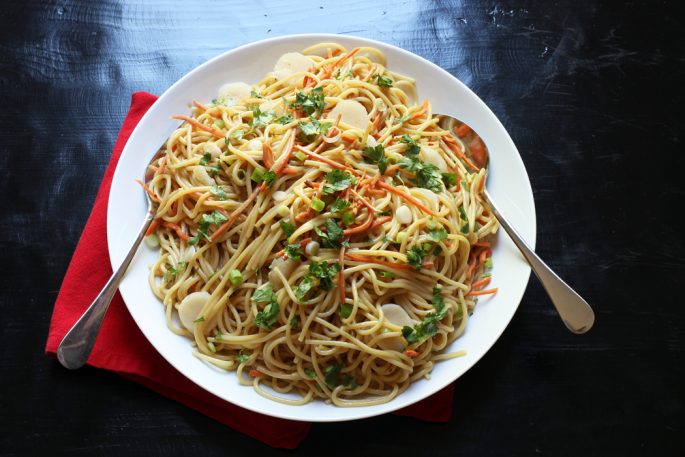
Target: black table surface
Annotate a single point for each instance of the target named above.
(592, 95)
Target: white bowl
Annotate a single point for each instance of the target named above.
(508, 185)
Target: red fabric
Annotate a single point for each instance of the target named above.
(122, 348)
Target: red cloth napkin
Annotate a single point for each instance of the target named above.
(122, 348)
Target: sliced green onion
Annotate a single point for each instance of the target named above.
(317, 205)
(257, 175)
(211, 346)
(152, 240)
(301, 155)
(236, 277)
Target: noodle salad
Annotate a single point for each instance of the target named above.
(318, 232)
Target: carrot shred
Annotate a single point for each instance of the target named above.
(376, 121)
(149, 191)
(412, 353)
(199, 125)
(452, 144)
(181, 234)
(421, 111)
(405, 196)
(153, 226)
(304, 216)
(326, 160)
(474, 293)
(368, 225)
(481, 283)
(267, 156)
(462, 130)
(200, 105)
(234, 215)
(255, 373)
(282, 164)
(329, 70)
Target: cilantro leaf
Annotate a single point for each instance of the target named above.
(172, 272)
(449, 179)
(205, 158)
(345, 310)
(428, 176)
(429, 326)
(262, 118)
(205, 221)
(332, 375)
(324, 273)
(402, 119)
(310, 373)
(286, 119)
(311, 102)
(293, 322)
(437, 235)
(309, 130)
(242, 358)
(415, 257)
(267, 317)
(412, 147)
(304, 287)
(287, 228)
(254, 94)
(376, 155)
(333, 236)
(383, 81)
(293, 251)
(219, 192)
(348, 218)
(237, 134)
(264, 294)
(339, 205)
(337, 180)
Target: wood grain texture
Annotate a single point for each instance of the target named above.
(591, 94)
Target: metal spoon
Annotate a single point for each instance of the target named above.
(575, 312)
(75, 347)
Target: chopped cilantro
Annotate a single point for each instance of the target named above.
(293, 322)
(383, 81)
(339, 205)
(205, 158)
(236, 277)
(242, 358)
(429, 326)
(324, 273)
(293, 251)
(437, 234)
(412, 147)
(449, 179)
(428, 176)
(172, 272)
(345, 310)
(332, 375)
(262, 118)
(415, 257)
(304, 287)
(238, 134)
(254, 94)
(376, 155)
(286, 119)
(267, 317)
(259, 176)
(333, 236)
(287, 228)
(264, 294)
(402, 119)
(310, 373)
(317, 205)
(309, 130)
(348, 218)
(386, 274)
(337, 180)
(219, 192)
(205, 221)
(310, 103)
(213, 170)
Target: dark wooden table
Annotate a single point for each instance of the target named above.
(592, 95)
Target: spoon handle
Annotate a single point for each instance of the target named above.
(77, 344)
(575, 312)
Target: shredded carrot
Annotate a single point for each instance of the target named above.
(304, 216)
(151, 229)
(368, 225)
(454, 146)
(363, 200)
(290, 171)
(234, 215)
(267, 156)
(181, 234)
(474, 293)
(481, 283)
(200, 105)
(255, 373)
(341, 276)
(199, 125)
(286, 154)
(150, 192)
(404, 195)
(462, 130)
(483, 244)
(376, 122)
(326, 160)
(162, 166)
(421, 111)
(329, 70)
(412, 353)
(391, 170)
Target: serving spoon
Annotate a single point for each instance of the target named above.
(574, 311)
(75, 348)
